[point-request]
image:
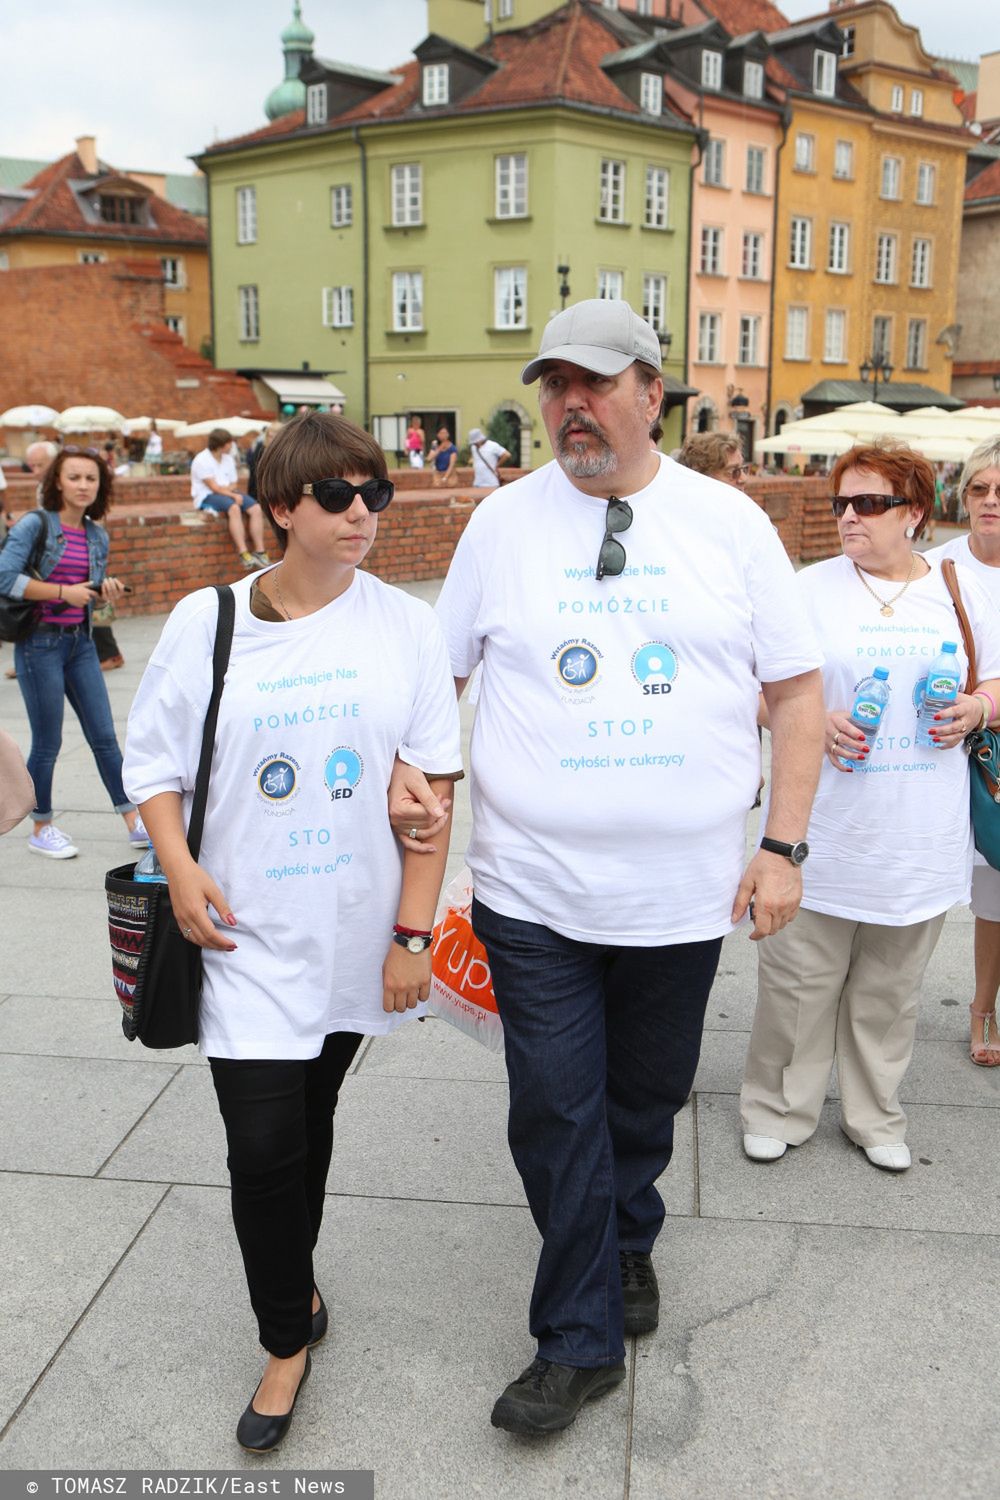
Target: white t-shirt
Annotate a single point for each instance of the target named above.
(297, 832)
(483, 476)
(206, 465)
(959, 549)
(615, 750)
(892, 842)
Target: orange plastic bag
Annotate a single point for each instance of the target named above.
(461, 985)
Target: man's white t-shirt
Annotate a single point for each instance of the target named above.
(891, 842)
(154, 447)
(297, 832)
(206, 465)
(485, 463)
(615, 751)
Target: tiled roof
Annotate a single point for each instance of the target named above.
(54, 209)
(741, 16)
(986, 185)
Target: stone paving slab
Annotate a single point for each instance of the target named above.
(433, 1049)
(42, 1026)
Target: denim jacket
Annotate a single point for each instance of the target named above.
(20, 543)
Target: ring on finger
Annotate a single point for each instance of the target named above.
(413, 833)
(186, 931)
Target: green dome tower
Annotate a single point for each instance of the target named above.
(297, 44)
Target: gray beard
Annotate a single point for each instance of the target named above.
(585, 465)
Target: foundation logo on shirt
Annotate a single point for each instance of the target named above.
(654, 667)
(578, 664)
(343, 770)
(277, 778)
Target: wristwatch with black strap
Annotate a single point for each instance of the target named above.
(797, 853)
(411, 939)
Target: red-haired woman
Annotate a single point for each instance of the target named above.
(890, 843)
(58, 660)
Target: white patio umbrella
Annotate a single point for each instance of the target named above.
(235, 426)
(28, 416)
(89, 419)
(143, 424)
(793, 439)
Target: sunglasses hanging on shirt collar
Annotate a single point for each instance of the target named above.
(611, 558)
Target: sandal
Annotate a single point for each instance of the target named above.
(985, 1053)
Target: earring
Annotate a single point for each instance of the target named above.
(911, 532)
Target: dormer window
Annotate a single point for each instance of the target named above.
(316, 104)
(897, 99)
(435, 83)
(711, 70)
(848, 47)
(753, 80)
(825, 73)
(916, 102)
(651, 93)
(119, 209)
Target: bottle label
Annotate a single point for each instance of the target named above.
(865, 709)
(941, 687)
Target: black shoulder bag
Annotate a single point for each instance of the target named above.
(18, 617)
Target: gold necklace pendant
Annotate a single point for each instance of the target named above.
(886, 604)
(887, 610)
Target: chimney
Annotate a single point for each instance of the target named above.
(86, 150)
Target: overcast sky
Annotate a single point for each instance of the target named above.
(157, 82)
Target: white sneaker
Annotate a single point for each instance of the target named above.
(764, 1147)
(53, 843)
(894, 1158)
(138, 837)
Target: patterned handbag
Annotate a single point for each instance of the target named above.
(156, 972)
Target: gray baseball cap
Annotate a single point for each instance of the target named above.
(600, 335)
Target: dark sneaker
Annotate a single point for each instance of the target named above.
(546, 1397)
(640, 1292)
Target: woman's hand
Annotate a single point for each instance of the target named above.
(844, 740)
(413, 805)
(78, 594)
(112, 589)
(953, 723)
(192, 891)
(406, 978)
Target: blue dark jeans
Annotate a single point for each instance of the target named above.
(53, 665)
(602, 1046)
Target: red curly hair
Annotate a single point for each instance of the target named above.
(907, 473)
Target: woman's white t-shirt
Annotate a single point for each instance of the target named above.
(891, 843)
(297, 833)
(959, 550)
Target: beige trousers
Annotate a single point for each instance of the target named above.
(830, 988)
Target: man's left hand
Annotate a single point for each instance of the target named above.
(773, 885)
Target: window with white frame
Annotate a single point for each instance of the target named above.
(797, 333)
(825, 73)
(91, 257)
(407, 301)
(654, 301)
(173, 270)
(611, 285)
(805, 153)
(505, 10)
(839, 251)
(800, 244)
(920, 263)
(916, 102)
(651, 93)
(916, 344)
(612, 204)
(886, 256)
(709, 338)
(749, 345)
(715, 163)
(891, 176)
(249, 305)
(435, 83)
(657, 210)
(835, 336)
(338, 307)
(756, 159)
(407, 193)
(882, 336)
(897, 99)
(753, 80)
(710, 262)
(752, 258)
(316, 104)
(175, 324)
(925, 182)
(847, 49)
(341, 205)
(510, 297)
(711, 70)
(246, 216)
(644, 7)
(511, 176)
(843, 159)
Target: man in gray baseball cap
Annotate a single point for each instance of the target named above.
(625, 611)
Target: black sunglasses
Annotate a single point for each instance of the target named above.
(866, 505)
(337, 495)
(611, 558)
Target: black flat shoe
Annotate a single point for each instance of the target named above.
(259, 1433)
(320, 1322)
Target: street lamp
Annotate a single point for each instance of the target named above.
(563, 273)
(666, 339)
(877, 367)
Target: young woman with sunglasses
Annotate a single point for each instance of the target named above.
(315, 926)
(890, 842)
(58, 660)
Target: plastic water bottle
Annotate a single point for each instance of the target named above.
(870, 702)
(940, 690)
(149, 868)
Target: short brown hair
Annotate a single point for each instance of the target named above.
(51, 496)
(218, 438)
(707, 452)
(316, 445)
(907, 473)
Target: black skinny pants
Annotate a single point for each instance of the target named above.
(279, 1128)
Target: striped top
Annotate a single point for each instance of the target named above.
(72, 567)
